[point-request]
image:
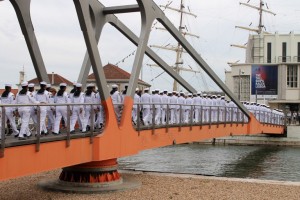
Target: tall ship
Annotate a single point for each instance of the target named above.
(269, 74)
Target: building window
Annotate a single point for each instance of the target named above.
(284, 52)
(292, 76)
(269, 52)
(244, 88)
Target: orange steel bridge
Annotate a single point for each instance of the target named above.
(84, 159)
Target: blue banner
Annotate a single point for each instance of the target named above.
(264, 79)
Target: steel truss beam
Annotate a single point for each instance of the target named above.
(22, 9)
(149, 12)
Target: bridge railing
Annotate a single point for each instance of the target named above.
(195, 115)
(35, 128)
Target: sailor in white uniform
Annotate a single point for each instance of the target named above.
(222, 104)
(146, 100)
(25, 97)
(77, 110)
(61, 97)
(189, 108)
(89, 98)
(156, 100)
(50, 109)
(8, 97)
(181, 102)
(116, 100)
(164, 101)
(173, 107)
(197, 102)
(100, 111)
(42, 96)
(136, 100)
(33, 115)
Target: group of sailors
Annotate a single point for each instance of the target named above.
(159, 107)
(80, 114)
(180, 107)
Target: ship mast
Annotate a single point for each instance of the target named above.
(178, 49)
(260, 26)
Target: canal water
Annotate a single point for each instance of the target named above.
(269, 163)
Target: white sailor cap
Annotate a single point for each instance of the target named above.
(165, 90)
(190, 94)
(198, 92)
(157, 90)
(204, 95)
(78, 85)
(114, 86)
(181, 92)
(146, 89)
(169, 92)
(175, 92)
(63, 84)
(31, 85)
(137, 89)
(25, 83)
(43, 83)
(48, 85)
(8, 85)
(222, 97)
(91, 85)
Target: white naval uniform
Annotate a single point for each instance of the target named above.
(77, 112)
(10, 99)
(181, 102)
(50, 115)
(88, 109)
(116, 100)
(173, 100)
(146, 99)
(134, 113)
(222, 108)
(60, 111)
(197, 102)
(32, 110)
(214, 109)
(164, 100)
(100, 112)
(188, 109)
(43, 98)
(156, 100)
(24, 112)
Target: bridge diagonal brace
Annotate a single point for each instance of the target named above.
(121, 9)
(193, 53)
(22, 9)
(114, 21)
(100, 21)
(86, 11)
(147, 20)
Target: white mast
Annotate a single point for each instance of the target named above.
(178, 48)
(260, 26)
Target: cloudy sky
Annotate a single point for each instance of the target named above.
(63, 48)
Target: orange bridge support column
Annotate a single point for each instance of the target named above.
(92, 177)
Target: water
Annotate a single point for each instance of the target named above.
(270, 163)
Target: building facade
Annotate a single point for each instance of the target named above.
(270, 72)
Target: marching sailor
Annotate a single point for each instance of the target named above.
(8, 97)
(42, 96)
(164, 100)
(189, 108)
(146, 100)
(136, 100)
(61, 97)
(77, 110)
(25, 97)
(90, 98)
(116, 100)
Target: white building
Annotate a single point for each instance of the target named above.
(270, 72)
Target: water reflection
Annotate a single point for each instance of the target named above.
(276, 163)
(252, 165)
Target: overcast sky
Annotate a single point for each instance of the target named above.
(63, 48)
